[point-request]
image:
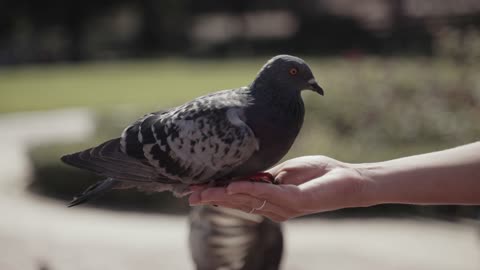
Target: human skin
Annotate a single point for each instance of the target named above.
(313, 184)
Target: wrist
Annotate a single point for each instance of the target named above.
(371, 175)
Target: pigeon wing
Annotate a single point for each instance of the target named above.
(200, 141)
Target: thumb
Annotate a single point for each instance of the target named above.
(283, 175)
(298, 171)
(288, 176)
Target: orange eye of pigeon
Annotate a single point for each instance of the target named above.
(293, 71)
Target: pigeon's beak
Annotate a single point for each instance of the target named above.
(315, 87)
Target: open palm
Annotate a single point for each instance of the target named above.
(306, 185)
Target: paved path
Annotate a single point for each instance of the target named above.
(37, 232)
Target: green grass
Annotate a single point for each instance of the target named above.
(100, 85)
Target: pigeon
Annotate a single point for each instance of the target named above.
(214, 139)
(224, 238)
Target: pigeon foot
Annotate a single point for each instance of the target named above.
(262, 177)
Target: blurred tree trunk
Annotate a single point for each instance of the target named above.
(165, 25)
(76, 15)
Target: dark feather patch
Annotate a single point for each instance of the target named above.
(107, 160)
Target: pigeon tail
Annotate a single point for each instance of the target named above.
(108, 160)
(93, 191)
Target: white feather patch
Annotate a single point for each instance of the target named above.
(123, 140)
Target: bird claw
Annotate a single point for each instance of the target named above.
(262, 177)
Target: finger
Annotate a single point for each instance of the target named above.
(296, 175)
(219, 196)
(207, 195)
(276, 169)
(194, 198)
(260, 205)
(272, 216)
(288, 176)
(281, 195)
(214, 194)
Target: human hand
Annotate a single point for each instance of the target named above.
(307, 185)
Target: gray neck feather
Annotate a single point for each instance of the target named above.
(278, 104)
(277, 94)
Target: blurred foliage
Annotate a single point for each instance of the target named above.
(390, 108)
(374, 109)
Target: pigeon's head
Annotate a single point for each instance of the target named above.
(289, 72)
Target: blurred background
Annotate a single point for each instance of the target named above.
(402, 77)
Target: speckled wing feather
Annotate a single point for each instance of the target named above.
(202, 140)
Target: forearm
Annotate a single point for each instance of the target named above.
(446, 177)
